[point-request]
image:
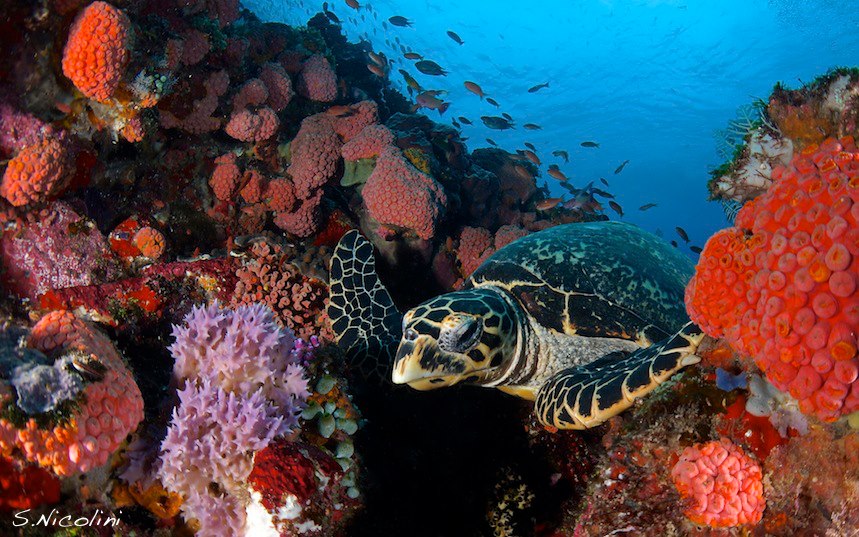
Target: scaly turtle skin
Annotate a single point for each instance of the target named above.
(566, 317)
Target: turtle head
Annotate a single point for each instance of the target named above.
(464, 336)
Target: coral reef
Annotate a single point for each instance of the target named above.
(791, 270)
(723, 483)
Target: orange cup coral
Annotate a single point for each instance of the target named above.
(723, 484)
(96, 52)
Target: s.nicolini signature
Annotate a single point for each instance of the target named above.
(58, 519)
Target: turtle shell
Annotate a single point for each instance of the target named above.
(596, 279)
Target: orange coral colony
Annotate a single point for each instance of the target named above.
(790, 270)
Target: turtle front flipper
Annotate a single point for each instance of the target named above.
(586, 396)
(365, 321)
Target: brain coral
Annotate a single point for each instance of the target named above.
(37, 173)
(790, 268)
(96, 52)
(398, 194)
(723, 484)
(317, 80)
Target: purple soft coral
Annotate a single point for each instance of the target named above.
(240, 388)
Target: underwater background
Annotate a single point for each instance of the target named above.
(359, 268)
(652, 81)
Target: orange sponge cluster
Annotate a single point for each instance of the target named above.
(723, 484)
(96, 52)
(781, 286)
(109, 408)
(37, 173)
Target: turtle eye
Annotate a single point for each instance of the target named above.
(462, 337)
(410, 335)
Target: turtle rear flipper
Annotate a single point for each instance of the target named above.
(586, 396)
(365, 321)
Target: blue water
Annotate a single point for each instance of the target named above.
(649, 80)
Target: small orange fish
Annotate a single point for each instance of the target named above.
(376, 70)
(548, 204)
(378, 59)
(557, 174)
(522, 172)
(474, 88)
(340, 110)
(353, 4)
(530, 155)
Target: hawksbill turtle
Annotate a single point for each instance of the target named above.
(583, 319)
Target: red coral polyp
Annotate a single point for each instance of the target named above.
(96, 52)
(781, 285)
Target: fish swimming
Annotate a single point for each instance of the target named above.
(378, 59)
(590, 144)
(682, 233)
(621, 167)
(332, 17)
(538, 87)
(616, 208)
(464, 120)
(353, 4)
(402, 22)
(558, 174)
(603, 181)
(532, 127)
(490, 141)
(647, 206)
(497, 123)
(473, 88)
(530, 146)
(492, 101)
(562, 154)
(376, 70)
(410, 81)
(412, 56)
(548, 204)
(429, 67)
(506, 116)
(428, 99)
(452, 35)
(696, 249)
(530, 155)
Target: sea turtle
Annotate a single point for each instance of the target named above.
(578, 318)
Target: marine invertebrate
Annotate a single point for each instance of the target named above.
(96, 51)
(351, 121)
(150, 242)
(26, 487)
(278, 85)
(54, 248)
(724, 485)
(38, 172)
(241, 387)
(315, 151)
(475, 245)
(268, 276)
(398, 194)
(791, 269)
(317, 80)
(253, 126)
(226, 176)
(196, 116)
(91, 405)
(368, 143)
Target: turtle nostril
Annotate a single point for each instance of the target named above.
(410, 335)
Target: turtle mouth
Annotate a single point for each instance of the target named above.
(423, 366)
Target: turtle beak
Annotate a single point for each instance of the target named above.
(411, 361)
